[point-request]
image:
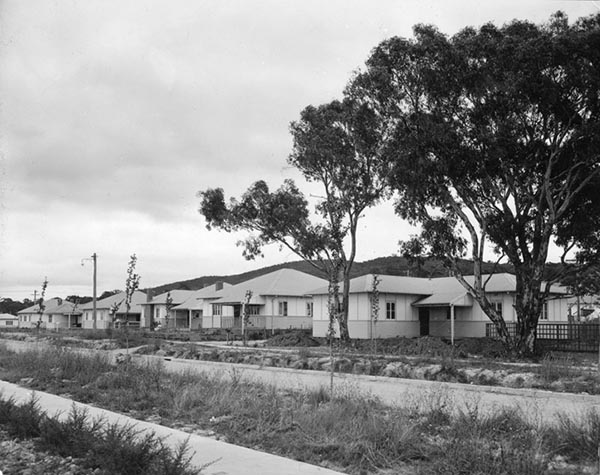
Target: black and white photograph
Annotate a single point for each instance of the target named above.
(299, 237)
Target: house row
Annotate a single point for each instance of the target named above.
(55, 313)
(414, 306)
(278, 300)
(287, 298)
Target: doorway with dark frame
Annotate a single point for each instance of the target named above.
(423, 321)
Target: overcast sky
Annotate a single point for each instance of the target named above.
(114, 114)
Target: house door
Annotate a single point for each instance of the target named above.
(237, 316)
(423, 321)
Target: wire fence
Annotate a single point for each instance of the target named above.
(584, 337)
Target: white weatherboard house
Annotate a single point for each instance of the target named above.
(198, 308)
(57, 313)
(105, 307)
(279, 301)
(414, 306)
(155, 309)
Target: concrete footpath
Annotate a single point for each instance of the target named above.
(224, 458)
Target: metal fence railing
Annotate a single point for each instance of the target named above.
(559, 336)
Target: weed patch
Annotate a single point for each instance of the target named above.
(109, 448)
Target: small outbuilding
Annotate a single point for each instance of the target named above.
(8, 320)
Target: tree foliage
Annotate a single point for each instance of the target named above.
(76, 299)
(336, 146)
(494, 138)
(108, 293)
(8, 305)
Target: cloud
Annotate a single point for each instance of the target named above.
(114, 114)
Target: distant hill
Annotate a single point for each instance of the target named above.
(391, 265)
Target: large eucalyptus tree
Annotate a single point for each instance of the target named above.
(494, 139)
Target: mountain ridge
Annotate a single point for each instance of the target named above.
(388, 265)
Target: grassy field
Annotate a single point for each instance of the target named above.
(347, 431)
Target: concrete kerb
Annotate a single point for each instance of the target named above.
(223, 458)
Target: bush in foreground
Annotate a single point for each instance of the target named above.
(111, 448)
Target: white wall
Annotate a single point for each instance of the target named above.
(406, 322)
(103, 318)
(8, 323)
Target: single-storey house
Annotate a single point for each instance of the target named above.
(278, 300)
(414, 306)
(8, 320)
(110, 311)
(66, 315)
(155, 309)
(57, 313)
(198, 308)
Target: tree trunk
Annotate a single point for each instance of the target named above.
(528, 306)
(343, 315)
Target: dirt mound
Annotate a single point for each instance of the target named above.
(292, 339)
(486, 347)
(424, 346)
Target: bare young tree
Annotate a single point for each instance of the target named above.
(132, 283)
(41, 305)
(168, 307)
(246, 315)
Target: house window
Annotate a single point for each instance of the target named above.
(49, 318)
(253, 310)
(157, 313)
(309, 309)
(390, 310)
(9, 323)
(544, 314)
(283, 309)
(217, 309)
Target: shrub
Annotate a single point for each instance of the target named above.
(553, 368)
(486, 347)
(111, 448)
(292, 338)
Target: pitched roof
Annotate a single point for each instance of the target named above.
(178, 296)
(445, 299)
(66, 308)
(49, 305)
(442, 290)
(503, 282)
(196, 300)
(8, 316)
(387, 284)
(282, 282)
(137, 298)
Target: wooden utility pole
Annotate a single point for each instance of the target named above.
(95, 259)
